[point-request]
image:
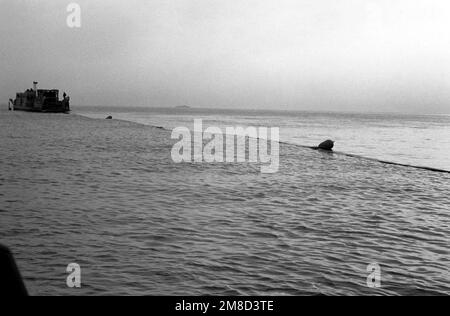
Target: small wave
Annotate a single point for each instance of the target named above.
(394, 163)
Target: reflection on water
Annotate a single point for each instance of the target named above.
(106, 195)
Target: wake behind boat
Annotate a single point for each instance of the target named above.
(34, 100)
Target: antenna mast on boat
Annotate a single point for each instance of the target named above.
(35, 83)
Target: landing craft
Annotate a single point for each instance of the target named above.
(39, 100)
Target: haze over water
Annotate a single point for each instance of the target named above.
(323, 55)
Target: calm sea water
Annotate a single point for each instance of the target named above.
(106, 195)
(418, 140)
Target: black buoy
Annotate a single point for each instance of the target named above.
(11, 283)
(109, 117)
(326, 145)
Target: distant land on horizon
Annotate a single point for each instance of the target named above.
(259, 109)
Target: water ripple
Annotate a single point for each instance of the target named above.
(107, 196)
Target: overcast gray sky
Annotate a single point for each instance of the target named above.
(349, 55)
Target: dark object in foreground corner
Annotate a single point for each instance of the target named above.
(109, 117)
(11, 283)
(326, 145)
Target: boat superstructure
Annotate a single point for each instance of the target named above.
(40, 100)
